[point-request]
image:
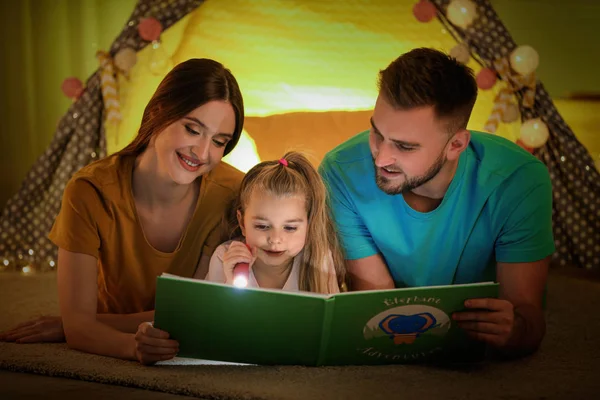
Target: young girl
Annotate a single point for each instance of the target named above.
(284, 220)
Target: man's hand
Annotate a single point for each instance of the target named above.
(42, 329)
(153, 345)
(488, 320)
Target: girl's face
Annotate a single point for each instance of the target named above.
(194, 145)
(275, 225)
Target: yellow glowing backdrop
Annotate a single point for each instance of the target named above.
(288, 56)
(307, 69)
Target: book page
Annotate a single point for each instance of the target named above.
(279, 291)
(399, 290)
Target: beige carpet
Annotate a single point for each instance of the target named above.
(567, 366)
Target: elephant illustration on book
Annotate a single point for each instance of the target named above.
(404, 329)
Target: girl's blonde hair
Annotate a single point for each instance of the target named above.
(299, 177)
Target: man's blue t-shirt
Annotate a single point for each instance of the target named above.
(498, 208)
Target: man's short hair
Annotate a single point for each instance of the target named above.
(427, 77)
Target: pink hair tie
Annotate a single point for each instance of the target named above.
(283, 162)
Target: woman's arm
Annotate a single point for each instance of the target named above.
(77, 297)
(84, 330)
(50, 328)
(128, 323)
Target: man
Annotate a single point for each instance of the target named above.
(419, 200)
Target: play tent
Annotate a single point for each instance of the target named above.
(307, 69)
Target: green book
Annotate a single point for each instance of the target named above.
(220, 322)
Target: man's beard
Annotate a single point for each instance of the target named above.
(410, 183)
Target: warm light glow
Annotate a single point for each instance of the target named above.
(311, 98)
(30, 252)
(324, 59)
(160, 62)
(461, 12)
(5, 262)
(524, 60)
(52, 264)
(534, 133)
(26, 269)
(244, 156)
(240, 281)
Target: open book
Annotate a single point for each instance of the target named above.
(258, 326)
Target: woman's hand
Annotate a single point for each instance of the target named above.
(42, 329)
(236, 253)
(153, 345)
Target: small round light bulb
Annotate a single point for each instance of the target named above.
(240, 281)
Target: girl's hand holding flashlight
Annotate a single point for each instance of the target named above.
(237, 253)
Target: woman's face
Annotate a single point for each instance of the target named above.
(194, 145)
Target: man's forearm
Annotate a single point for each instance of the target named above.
(528, 331)
(126, 322)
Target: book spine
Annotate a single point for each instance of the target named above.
(325, 330)
(158, 312)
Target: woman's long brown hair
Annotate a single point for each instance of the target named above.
(186, 87)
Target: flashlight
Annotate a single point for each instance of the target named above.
(241, 273)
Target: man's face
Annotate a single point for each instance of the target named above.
(408, 146)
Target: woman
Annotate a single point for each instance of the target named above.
(154, 207)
